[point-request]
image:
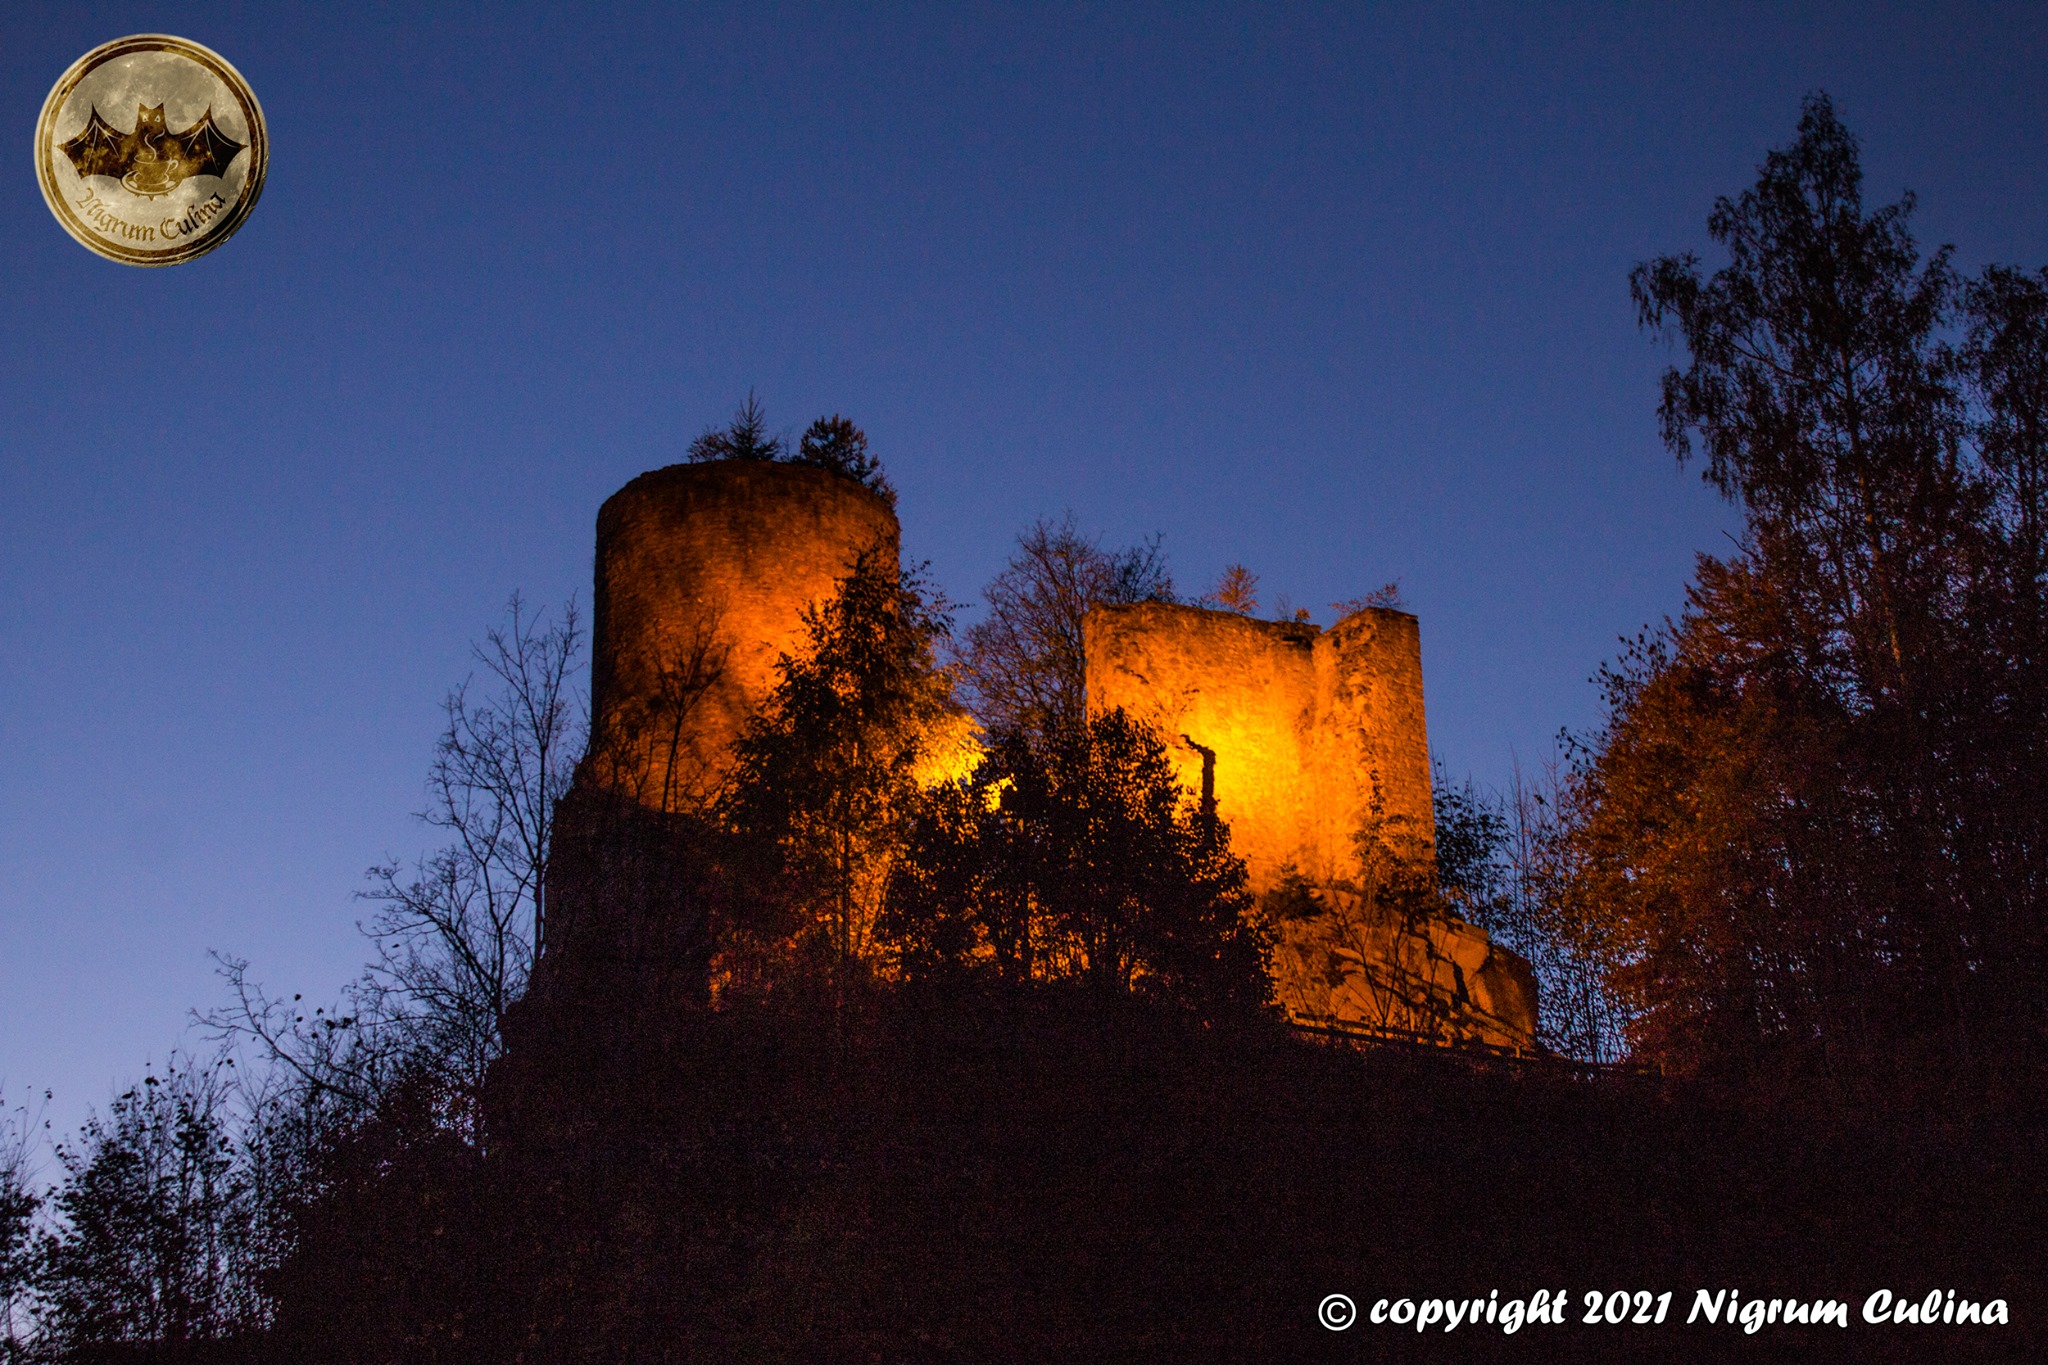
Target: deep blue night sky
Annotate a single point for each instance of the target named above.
(1340, 294)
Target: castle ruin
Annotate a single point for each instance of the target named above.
(703, 575)
(1299, 733)
(1304, 739)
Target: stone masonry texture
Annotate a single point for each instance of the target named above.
(1305, 737)
(704, 572)
(1306, 725)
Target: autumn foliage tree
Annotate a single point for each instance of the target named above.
(1812, 827)
(1237, 589)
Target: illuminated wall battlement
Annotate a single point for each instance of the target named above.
(1300, 728)
(1304, 738)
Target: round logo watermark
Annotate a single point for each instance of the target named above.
(151, 150)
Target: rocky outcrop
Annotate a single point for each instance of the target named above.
(1434, 975)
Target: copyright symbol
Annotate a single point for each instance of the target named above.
(1337, 1312)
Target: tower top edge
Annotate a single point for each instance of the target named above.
(1216, 617)
(703, 476)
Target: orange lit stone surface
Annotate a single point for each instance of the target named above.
(1303, 736)
(1437, 976)
(703, 575)
(1305, 724)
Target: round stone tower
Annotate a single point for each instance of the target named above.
(703, 575)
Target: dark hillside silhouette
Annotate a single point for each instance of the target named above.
(1041, 1175)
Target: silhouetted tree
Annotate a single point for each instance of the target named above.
(1074, 854)
(1386, 595)
(155, 1242)
(1023, 665)
(746, 439)
(1499, 862)
(838, 445)
(1813, 822)
(456, 935)
(392, 1226)
(831, 443)
(18, 1206)
(645, 754)
(825, 774)
(961, 899)
(2005, 358)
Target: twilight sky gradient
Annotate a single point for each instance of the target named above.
(1339, 293)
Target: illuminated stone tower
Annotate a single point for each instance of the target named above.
(703, 575)
(1303, 737)
(1307, 739)
(1300, 730)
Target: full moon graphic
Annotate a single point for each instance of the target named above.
(151, 150)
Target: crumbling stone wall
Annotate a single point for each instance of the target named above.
(1307, 738)
(1308, 727)
(1348, 961)
(1303, 737)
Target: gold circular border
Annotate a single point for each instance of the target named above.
(252, 112)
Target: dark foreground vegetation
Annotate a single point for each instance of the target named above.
(1037, 1177)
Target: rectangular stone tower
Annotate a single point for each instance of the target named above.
(1299, 732)
(1306, 738)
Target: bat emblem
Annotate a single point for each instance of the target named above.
(182, 190)
(152, 160)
